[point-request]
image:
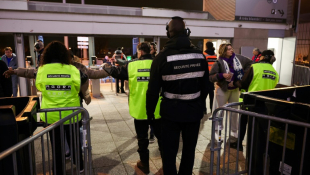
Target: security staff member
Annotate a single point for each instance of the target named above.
(59, 82)
(138, 73)
(261, 76)
(39, 47)
(211, 59)
(181, 72)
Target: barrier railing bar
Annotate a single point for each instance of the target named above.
(303, 151)
(267, 145)
(284, 148)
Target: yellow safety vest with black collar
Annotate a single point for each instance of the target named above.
(264, 77)
(60, 87)
(138, 80)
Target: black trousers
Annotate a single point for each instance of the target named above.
(117, 84)
(171, 138)
(142, 128)
(59, 151)
(211, 97)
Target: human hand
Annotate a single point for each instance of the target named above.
(8, 73)
(10, 68)
(231, 84)
(227, 76)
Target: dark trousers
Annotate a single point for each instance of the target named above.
(211, 97)
(142, 128)
(152, 131)
(59, 151)
(117, 84)
(171, 138)
(242, 129)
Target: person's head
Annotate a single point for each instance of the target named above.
(39, 45)
(8, 52)
(143, 49)
(209, 45)
(176, 27)
(226, 50)
(55, 52)
(256, 51)
(153, 48)
(267, 56)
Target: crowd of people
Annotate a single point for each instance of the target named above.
(167, 91)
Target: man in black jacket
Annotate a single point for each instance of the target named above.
(181, 72)
(5, 83)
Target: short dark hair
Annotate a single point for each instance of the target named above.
(209, 45)
(145, 47)
(55, 51)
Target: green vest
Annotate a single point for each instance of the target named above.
(60, 87)
(264, 77)
(138, 77)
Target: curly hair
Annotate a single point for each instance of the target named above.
(145, 47)
(223, 49)
(55, 52)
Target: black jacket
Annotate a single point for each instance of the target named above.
(5, 83)
(178, 110)
(121, 72)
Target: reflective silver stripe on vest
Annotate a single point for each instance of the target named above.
(182, 97)
(183, 76)
(188, 56)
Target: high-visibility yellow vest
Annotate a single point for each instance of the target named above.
(60, 87)
(264, 77)
(138, 80)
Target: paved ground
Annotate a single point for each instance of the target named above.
(115, 146)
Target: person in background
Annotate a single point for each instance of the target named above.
(5, 83)
(256, 55)
(261, 76)
(180, 74)
(224, 72)
(10, 60)
(39, 48)
(211, 59)
(60, 82)
(137, 73)
(118, 54)
(153, 49)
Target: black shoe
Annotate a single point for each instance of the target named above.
(235, 144)
(145, 168)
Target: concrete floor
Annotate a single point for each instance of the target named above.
(114, 146)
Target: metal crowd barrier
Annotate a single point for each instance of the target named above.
(74, 144)
(221, 168)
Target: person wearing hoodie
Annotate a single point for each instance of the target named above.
(10, 60)
(180, 73)
(211, 59)
(137, 73)
(228, 68)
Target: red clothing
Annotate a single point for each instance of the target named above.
(256, 59)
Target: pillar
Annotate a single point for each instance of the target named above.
(24, 89)
(32, 53)
(91, 49)
(66, 42)
(157, 40)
